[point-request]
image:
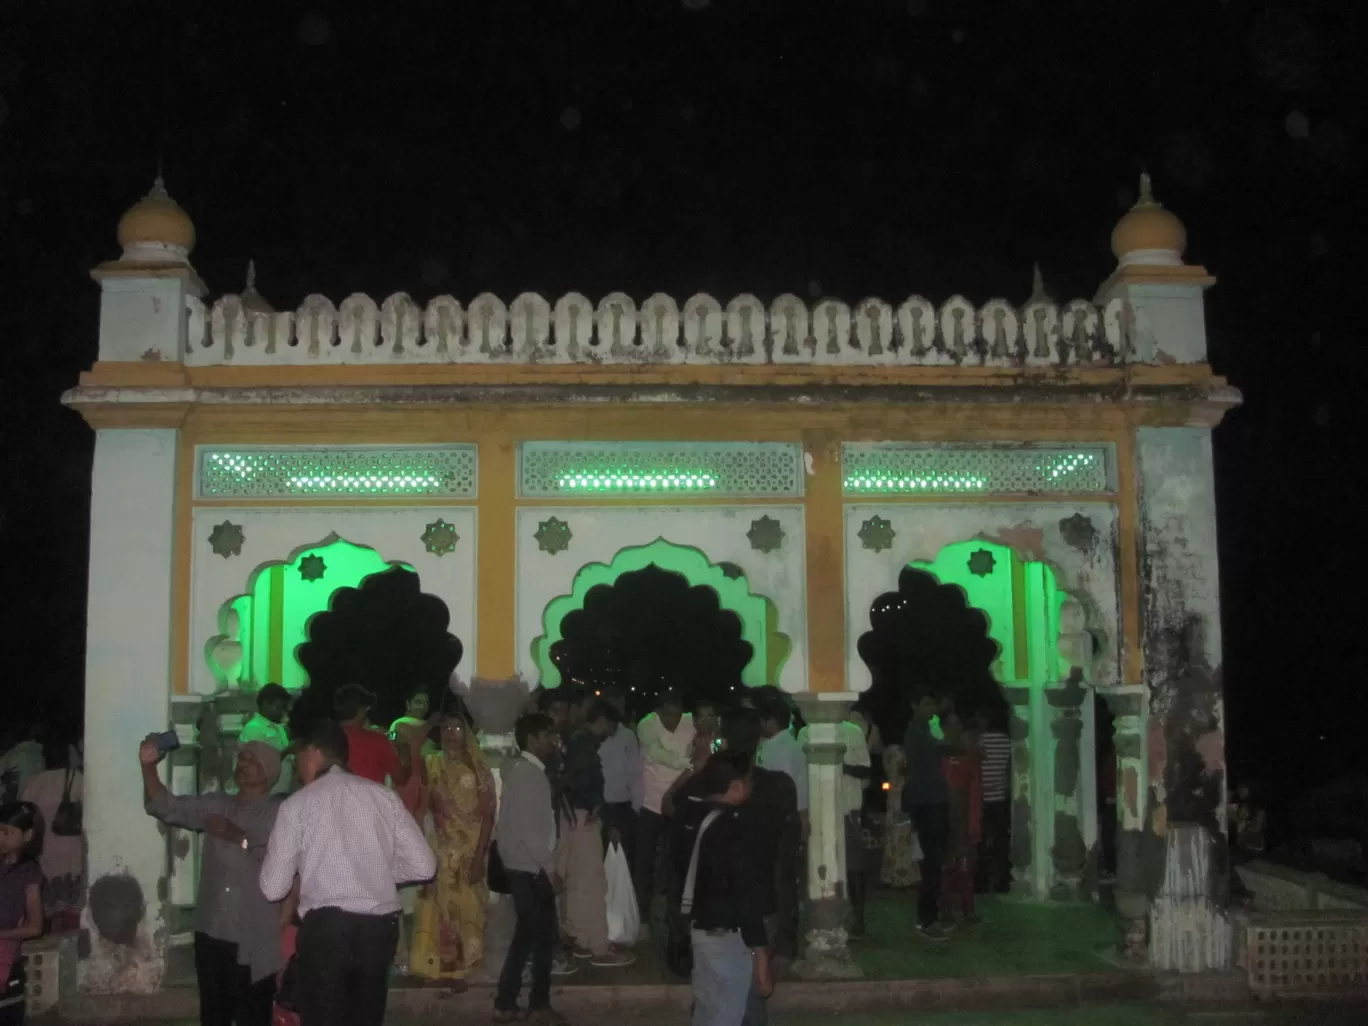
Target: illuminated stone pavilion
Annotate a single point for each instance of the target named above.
(1052, 460)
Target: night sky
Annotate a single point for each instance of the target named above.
(869, 147)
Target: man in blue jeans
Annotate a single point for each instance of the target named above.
(526, 838)
(926, 800)
(723, 896)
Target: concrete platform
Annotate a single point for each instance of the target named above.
(1022, 956)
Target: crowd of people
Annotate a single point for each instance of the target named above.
(349, 852)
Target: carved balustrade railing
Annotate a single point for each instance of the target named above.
(573, 330)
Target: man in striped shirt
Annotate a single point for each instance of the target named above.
(995, 845)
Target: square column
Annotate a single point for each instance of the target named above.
(1190, 929)
(128, 695)
(827, 955)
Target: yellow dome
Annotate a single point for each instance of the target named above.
(1148, 234)
(156, 228)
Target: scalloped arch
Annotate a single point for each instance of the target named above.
(1022, 600)
(770, 647)
(219, 649)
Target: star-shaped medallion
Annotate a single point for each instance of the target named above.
(553, 536)
(981, 563)
(312, 567)
(765, 534)
(877, 534)
(226, 539)
(440, 538)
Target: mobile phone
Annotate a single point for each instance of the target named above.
(167, 741)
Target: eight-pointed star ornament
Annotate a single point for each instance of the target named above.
(877, 534)
(765, 534)
(312, 567)
(982, 562)
(553, 536)
(226, 539)
(440, 537)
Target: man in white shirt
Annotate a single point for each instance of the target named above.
(350, 842)
(526, 840)
(620, 757)
(21, 758)
(666, 738)
(268, 725)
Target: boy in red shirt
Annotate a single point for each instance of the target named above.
(370, 753)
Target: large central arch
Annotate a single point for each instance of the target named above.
(756, 612)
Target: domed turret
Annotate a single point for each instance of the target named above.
(156, 229)
(1148, 234)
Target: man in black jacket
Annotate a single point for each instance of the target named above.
(770, 809)
(721, 897)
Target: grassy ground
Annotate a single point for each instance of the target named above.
(1100, 1015)
(1016, 938)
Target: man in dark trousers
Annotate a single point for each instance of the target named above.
(720, 895)
(925, 799)
(526, 837)
(350, 842)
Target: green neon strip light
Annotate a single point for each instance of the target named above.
(270, 472)
(913, 483)
(954, 470)
(635, 481)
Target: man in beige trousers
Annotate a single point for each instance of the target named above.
(579, 852)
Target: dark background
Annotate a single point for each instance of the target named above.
(849, 149)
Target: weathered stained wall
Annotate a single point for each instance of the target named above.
(1185, 734)
(128, 686)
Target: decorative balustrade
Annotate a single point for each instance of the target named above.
(617, 331)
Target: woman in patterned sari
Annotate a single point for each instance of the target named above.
(448, 929)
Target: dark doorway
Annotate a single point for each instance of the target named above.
(650, 631)
(385, 634)
(926, 635)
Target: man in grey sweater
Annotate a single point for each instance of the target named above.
(526, 837)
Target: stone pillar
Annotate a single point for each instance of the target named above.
(1187, 865)
(1023, 843)
(128, 694)
(1068, 853)
(1130, 893)
(826, 955)
(184, 763)
(495, 706)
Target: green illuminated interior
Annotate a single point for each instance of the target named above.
(636, 481)
(759, 619)
(1022, 601)
(273, 616)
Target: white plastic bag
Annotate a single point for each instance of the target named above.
(624, 920)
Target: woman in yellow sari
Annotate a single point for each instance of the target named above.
(448, 928)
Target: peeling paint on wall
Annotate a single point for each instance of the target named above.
(1185, 746)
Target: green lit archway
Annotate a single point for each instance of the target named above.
(759, 626)
(1022, 600)
(271, 619)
